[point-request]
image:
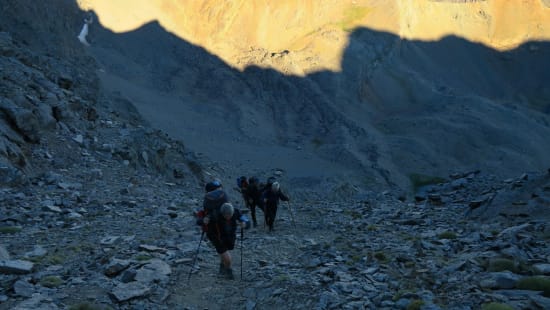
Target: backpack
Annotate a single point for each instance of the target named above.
(242, 182)
(253, 180)
(270, 180)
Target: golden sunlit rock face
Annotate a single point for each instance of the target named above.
(230, 29)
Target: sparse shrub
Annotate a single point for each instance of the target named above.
(316, 142)
(502, 264)
(355, 259)
(143, 257)
(9, 229)
(381, 256)
(283, 278)
(87, 306)
(447, 235)
(51, 281)
(495, 306)
(418, 180)
(356, 215)
(400, 294)
(415, 304)
(535, 283)
(410, 264)
(54, 259)
(372, 227)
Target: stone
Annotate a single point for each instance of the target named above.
(15, 266)
(156, 270)
(109, 240)
(23, 288)
(152, 248)
(500, 280)
(4, 255)
(126, 291)
(128, 276)
(542, 268)
(38, 251)
(116, 266)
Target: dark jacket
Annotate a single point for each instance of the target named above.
(227, 229)
(254, 194)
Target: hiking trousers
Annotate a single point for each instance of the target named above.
(270, 214)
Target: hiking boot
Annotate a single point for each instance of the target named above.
(229, 274)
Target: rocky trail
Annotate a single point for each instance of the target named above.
(132, 248)
(125, 238)
(96, 211)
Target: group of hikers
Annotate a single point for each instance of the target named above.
(219, 219)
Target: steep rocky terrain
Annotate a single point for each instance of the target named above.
(97, 203)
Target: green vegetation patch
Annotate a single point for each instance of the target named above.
(143, 257)
(51, 281)
(447, 235)
(55, 259)
(9, 229)
(354, 214)
(381, 256)
(535, 283)
(418, 180)
(415, 304)
(283, 278)
(502, 264)
(88, 306)
(495, 306)
(317, 142)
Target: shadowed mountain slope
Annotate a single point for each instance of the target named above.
(398, 107)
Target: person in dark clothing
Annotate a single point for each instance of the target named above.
(222, 233)
(271, 197)
(254, 197)
(242, 184)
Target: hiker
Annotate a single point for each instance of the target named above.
(271, 196)
(254, 195)
(84, 32)
(242, 187)
(222, 233)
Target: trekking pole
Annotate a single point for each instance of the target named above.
(291, 214)
(242, 237)
(195, 259)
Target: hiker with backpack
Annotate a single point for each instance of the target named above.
(251, 190)
(242, 187)
(220, 220)
(270, 197)
(254, 194)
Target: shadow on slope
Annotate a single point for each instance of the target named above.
(398, 107)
